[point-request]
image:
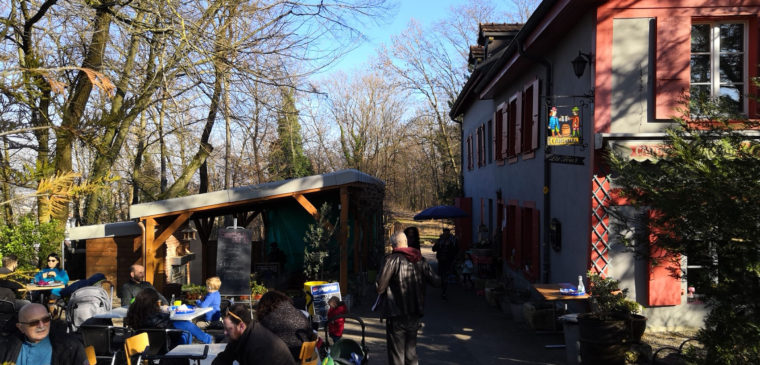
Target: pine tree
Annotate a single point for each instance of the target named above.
(287, 159)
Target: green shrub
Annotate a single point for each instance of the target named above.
(30, 241)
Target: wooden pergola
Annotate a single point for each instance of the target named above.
(358, 193)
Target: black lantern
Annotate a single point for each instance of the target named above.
(579, 63)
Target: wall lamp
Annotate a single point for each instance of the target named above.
(579, 63)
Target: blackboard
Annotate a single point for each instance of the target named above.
(233, 261)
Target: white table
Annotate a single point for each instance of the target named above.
(197, 349)
(121, 312)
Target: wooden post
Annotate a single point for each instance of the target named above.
(343, 239)
(151, 264)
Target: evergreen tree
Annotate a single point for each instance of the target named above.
(703, 196)
(286, 158)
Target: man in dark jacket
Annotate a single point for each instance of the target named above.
(40, 341)
(446, 250)
(135, 285)
(250, 343)
(402, 280)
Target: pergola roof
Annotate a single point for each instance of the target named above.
(117, 229)
(247, 194)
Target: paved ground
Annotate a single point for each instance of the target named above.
(463, 330)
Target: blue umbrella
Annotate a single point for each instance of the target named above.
(441, 212)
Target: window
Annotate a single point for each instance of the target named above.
(698, 265)
(513, 119)
(718, 65)
(498, 118)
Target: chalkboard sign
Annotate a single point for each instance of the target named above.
(233, 261)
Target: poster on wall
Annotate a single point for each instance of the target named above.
(564, 126)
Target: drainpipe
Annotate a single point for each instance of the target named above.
(547, 167)
(142, 228)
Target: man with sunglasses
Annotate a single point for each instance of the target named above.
(40, 341)
(250, 343)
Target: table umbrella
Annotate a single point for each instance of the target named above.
(441, 212)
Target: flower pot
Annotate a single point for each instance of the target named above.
(602, 340)
(638, 325)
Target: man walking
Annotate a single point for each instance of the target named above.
(40, 341)
(402, 280)
(445, 251)
(135, 285)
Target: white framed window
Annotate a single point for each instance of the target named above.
(698, 273)
(719, 65)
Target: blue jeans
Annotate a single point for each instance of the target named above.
(194, 331)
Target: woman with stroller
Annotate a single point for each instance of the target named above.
(277, 313)
(146, 313)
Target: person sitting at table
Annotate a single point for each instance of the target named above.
(145, 312)
(40, 340)
(9, 288)
(135, 285)
(212, 299)
(250, 343)
(51, 273)
(276, 312)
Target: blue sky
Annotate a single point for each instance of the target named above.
(425, 12)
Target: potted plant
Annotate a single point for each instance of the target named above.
(612, 324)
(193, 291)
(257, 290)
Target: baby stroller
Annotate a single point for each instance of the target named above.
(346, 351)
(85, 303)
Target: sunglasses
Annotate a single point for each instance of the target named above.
(37, 322)
(52, 260)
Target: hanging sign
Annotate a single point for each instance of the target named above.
(564, 126)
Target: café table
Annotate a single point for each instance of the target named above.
(121, 312)
(551, 293)
(197, 349)
(31, 288)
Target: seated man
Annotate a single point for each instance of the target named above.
(250, 343)
(135, 285)
(40, 340)
(9, 288)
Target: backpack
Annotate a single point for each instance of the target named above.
(85, 303)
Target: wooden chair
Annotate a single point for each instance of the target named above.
(90, 352)
(136, 346)
(308, 355)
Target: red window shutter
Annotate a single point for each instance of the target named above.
(511, 116)
(469, 152)
(527, 119)
(535, 237)
(464, 225)
(513, 223)
(504, 130)
(673, 59)
(664, 284)
(534, 115)
(518, 124)
(498, 115)
(477, 145)
(483, 142)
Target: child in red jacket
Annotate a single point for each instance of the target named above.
(337, 307)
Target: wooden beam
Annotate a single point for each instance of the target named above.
(311, 209)
(151, 264)
(343, 239)
(178, 222)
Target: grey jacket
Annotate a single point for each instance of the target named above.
(402, 280)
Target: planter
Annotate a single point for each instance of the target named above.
(637, 325)
(603, 341)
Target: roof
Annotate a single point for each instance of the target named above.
(254, 192)
(496, 29)
(118, 229)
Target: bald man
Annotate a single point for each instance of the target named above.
(40, 341)
(135, 285)
(403, 279)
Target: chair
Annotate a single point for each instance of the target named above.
(91, 358)
(7, 314)
(106, 340)
(309, 356)
(136, 346)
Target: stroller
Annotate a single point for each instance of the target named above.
(346, 351)
(85, 303)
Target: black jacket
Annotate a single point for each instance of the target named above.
(67, 350)
(256, 346)
(130, 290)
(402, 280)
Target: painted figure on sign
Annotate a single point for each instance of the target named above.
(576, 122)
(553, 121)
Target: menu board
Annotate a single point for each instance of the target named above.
(233, 261)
